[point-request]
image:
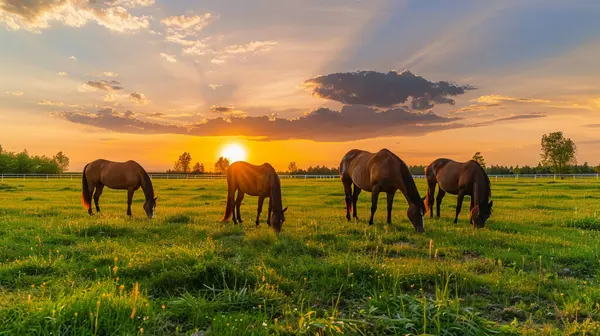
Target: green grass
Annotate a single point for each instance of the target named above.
(533, 270)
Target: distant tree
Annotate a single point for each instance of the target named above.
(597, 169)
(292, 167)
(479, 158)
(517, 170)
(557, 152)
(221, 165)
(198, 168)
(1, 149)
(183, 164)
(62, 161)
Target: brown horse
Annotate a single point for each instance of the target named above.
(128, 176)
(460, 178)
(380, 172)
(261, 181)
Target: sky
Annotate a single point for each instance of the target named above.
(298, 80)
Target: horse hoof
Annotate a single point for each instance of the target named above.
(371, 223)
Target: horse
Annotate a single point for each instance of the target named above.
(261, 181)
(460, 178)
(128, 176)
(380, 172)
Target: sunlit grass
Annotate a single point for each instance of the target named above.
(533, 270)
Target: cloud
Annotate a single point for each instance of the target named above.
(155, 114)
(251, 47)
(50, 103)
(15, 93)
(214, 86)
(498, 99)
(476, 107)
(139, 98)
(217, 61)
(385, 89)
(62, 73)
(350, 123)
(73, 58)
(105, 74)
(109, 86)
(519, 117)
(37, 15)
(187, 23)
(226, 110)
(592, 125)
(168, 57)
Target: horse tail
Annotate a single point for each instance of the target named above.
(86, 198)
(230, 192)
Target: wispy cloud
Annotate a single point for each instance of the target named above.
(168, 57)
(104, 85)
(15, 93)
(139, 98)
(50, 103)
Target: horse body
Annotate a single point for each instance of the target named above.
(380, 172)
(462, 179)
(128, 176)
(261, 181)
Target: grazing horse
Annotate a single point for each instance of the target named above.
(460, 178)
(261, 181)
(380, 172)
(128, 176)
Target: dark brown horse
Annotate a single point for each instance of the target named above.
(261, 181)
(128, 176)
(380, 172)
(460, 178)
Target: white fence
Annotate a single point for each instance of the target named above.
(164, 176)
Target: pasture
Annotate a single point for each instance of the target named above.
(534, 269)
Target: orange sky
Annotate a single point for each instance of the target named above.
(153, 83)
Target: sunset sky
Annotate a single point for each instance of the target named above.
(298, 80)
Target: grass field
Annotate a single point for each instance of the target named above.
(533, 270)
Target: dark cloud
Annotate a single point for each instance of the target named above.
(385, 89)
(351, 123)
(108, 86)
(522, 116)
(593, 125)
(221, 109)
(138, 98)
(156, 114)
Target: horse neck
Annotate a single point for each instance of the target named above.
(408, 187)
(480, 189)
(276, 195)
(147, 186)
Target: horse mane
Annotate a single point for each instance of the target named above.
(147, 185)
(276, 192)
(486, 179)
(407, 180)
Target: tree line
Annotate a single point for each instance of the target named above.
(24, 163)
(557, 157)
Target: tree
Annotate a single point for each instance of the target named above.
(597, 169)
(479, 159)
(557, 152)
(198, 168)
(221, 165)
(62, 161)
(183, 163)
(292, 167)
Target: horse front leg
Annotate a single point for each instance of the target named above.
(374, 199)
(129, 201)
(261, 200)
(461, 196)
(270, 210)
(390, 202)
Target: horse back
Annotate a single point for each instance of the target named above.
(251, 179)
(115, 175)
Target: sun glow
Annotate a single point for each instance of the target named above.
(234, 152)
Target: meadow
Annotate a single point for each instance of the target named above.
(534, 269)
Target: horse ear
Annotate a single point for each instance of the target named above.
(155, 198)
(284, 210)
(491, 203)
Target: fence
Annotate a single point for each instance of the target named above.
(164, 176)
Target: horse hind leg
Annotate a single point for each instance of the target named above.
(374, 199)
(438, 201)
(348, 196)
(97, 193)
(355, 194)
(92, 188)
(238, 203)
(430, 197)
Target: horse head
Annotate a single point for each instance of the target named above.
(480, 214)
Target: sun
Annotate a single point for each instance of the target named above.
(234, 152)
